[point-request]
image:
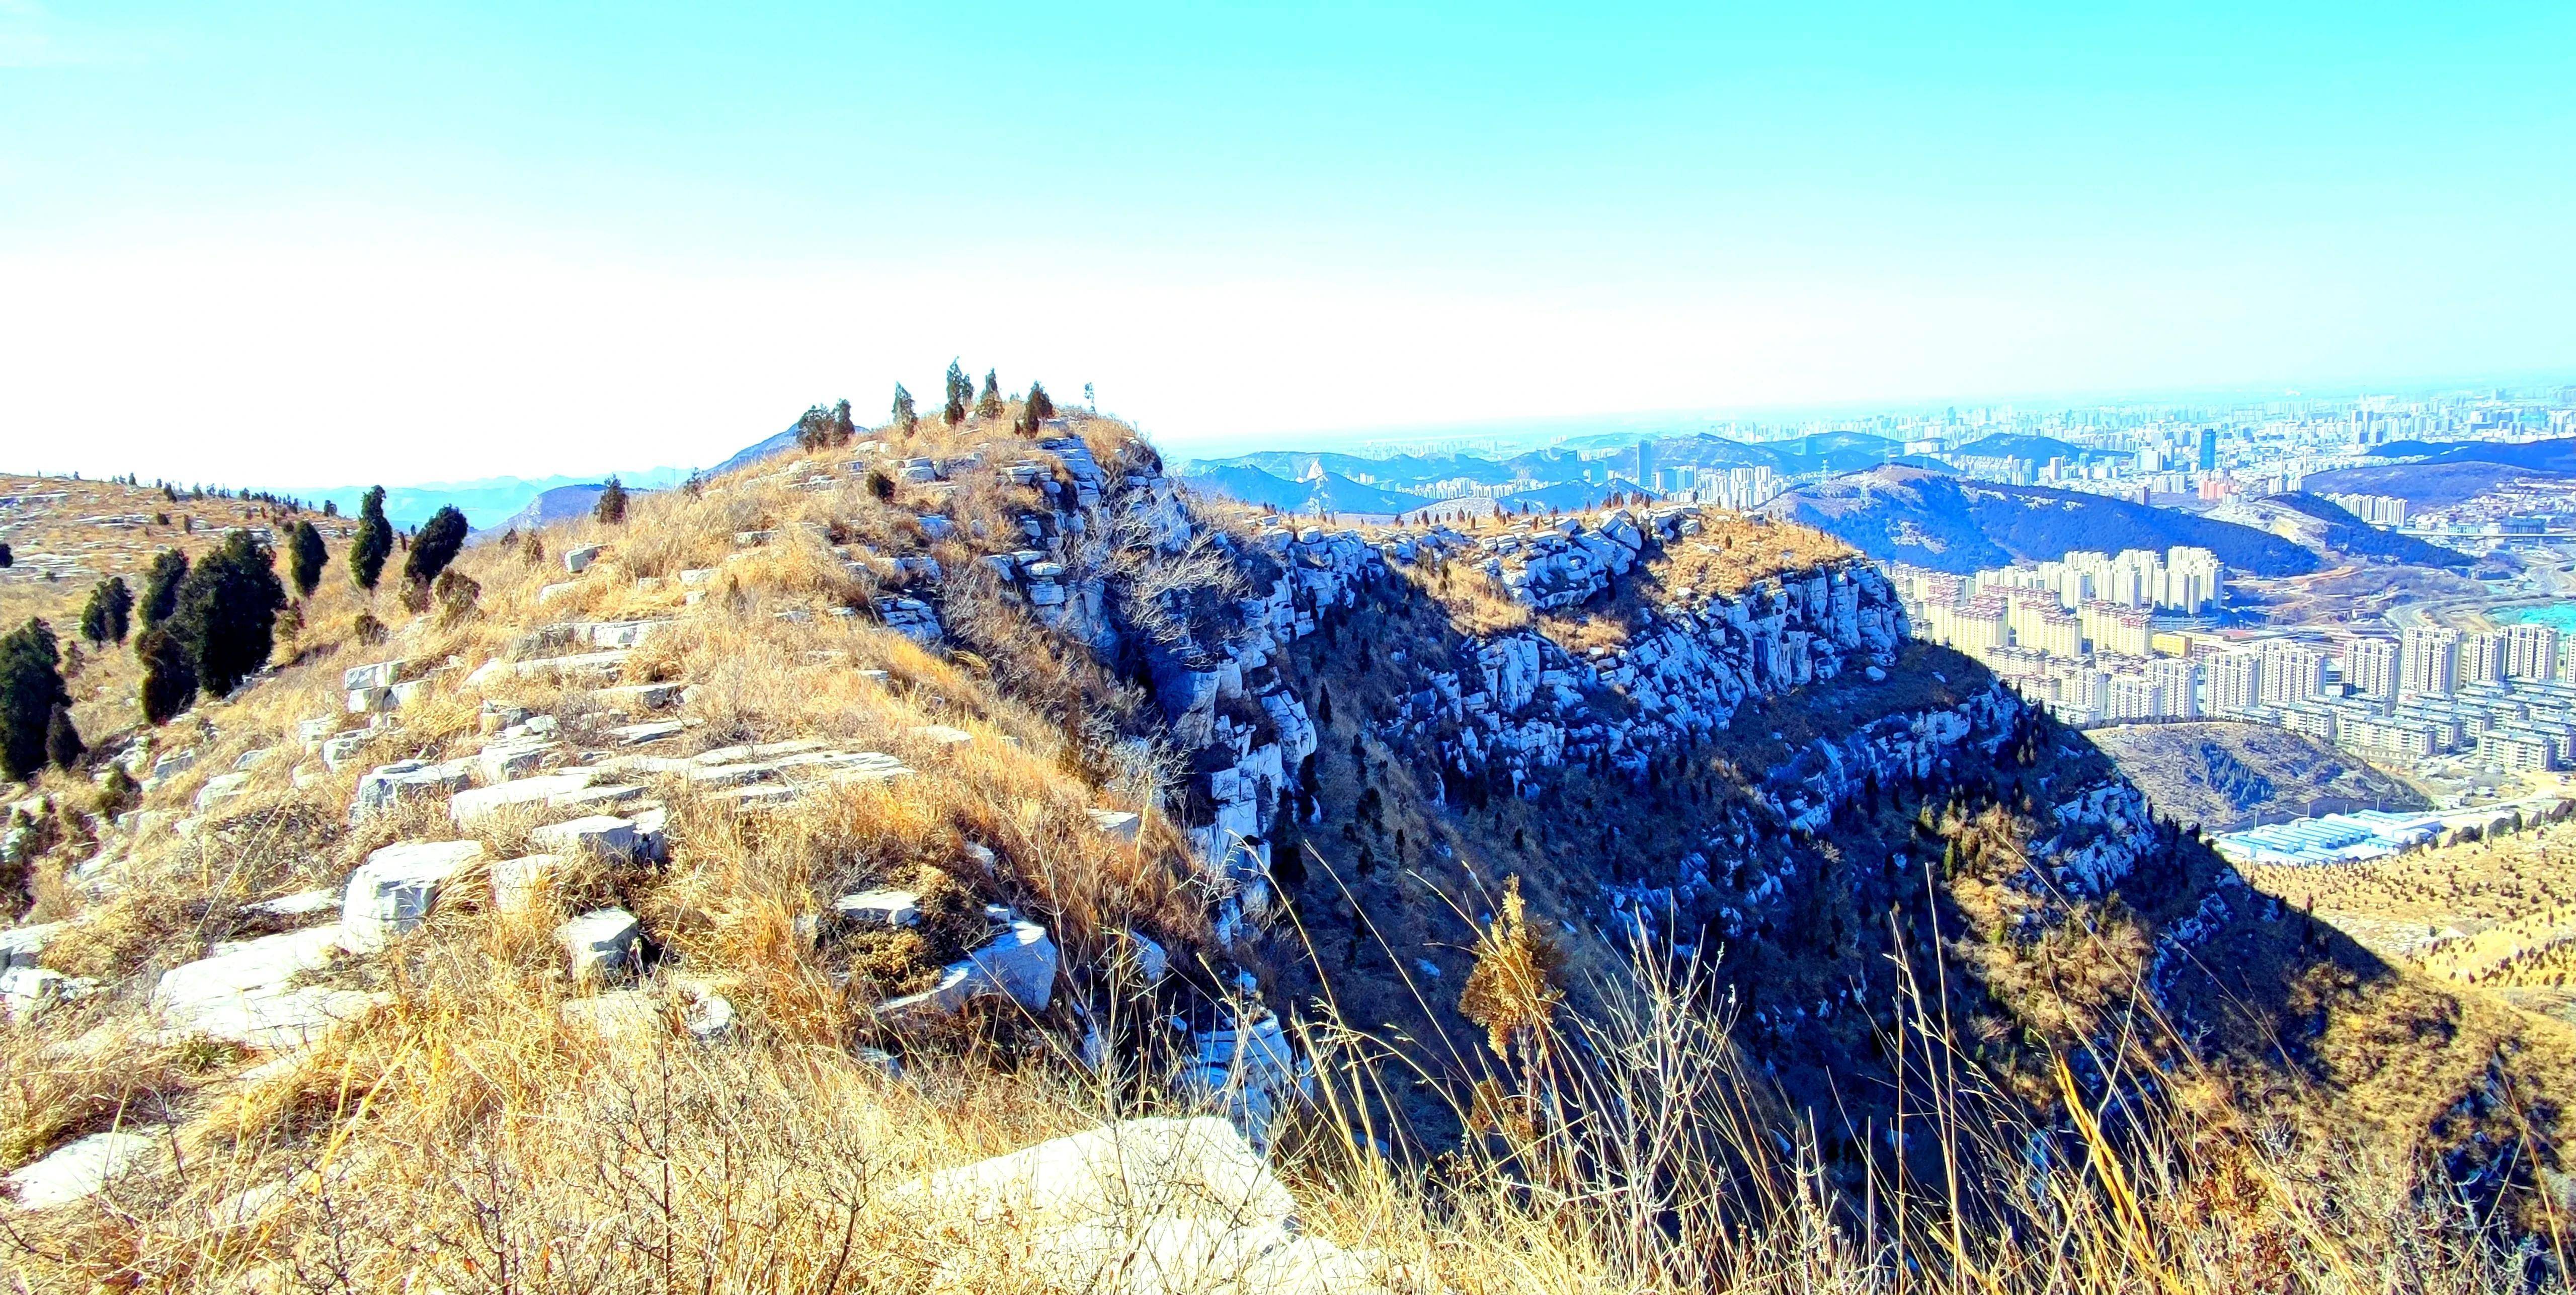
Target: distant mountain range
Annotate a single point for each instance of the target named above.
(487, 502)
(2328, 527)
(1950, 524)
(496, 504)
(2539, 456)
(2434, 474)
(2035, 450)
(1329, 493)
(1556, 477)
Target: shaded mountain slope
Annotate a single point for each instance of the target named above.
(2540, 456)
(1762, 779)
(1022, 790)
(2224, 775)
(2332, 531)
(1909, 515)
(1329, 493)
(2431, 485)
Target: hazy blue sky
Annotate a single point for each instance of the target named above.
(315, 242)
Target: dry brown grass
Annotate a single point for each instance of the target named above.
(475, 1133)
(1732, 553)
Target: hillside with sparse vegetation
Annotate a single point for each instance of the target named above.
(717, 891)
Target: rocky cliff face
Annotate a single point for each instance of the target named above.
(1468, 717)
(1683, 735)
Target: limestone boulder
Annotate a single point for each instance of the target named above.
(395, 889)
(471, 806)
(602, 834)
(385, 786)
(600, 944)
(81, 1169)
(245, 991)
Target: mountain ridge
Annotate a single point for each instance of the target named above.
(1957, 525)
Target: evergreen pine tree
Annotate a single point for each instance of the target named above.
(31, 686)
(904, 417)
(439, 541)
(1035, 409)
(843, 428)
(960, 390)
(8, 557)
(305, 557)
(989, 405)
(227, 615)
(610, 510)
(814, 429)
(120, 608)
(94, 616)
(169, 678)
(63, 745)
(374, 541)
(161, 585)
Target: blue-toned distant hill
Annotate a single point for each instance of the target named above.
(1822, 452)
(1330, 493)
(1565, 496)
(2538, 456)
(1393, 472)
(487, 503)
(1951, 524)
(768, 448)
(1614, 455)
(2431, 485)
(561, 504)
(2035, 450)
(2339, 529)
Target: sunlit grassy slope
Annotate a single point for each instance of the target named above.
(477, 1130)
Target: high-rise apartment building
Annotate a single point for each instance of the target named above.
(2292, 672)
(2120, 631)
(2194, 579)
(2428, 661)
(2370, 666)
(2182, 578)
(2482, 658)
(2235, 682)
(2177, 684)
(2209, 449)
(2530, 652)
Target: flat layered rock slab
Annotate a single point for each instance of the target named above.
(1020, 964)
(21, 946)
(639, 734)
(600, 944)
(393, 891)
(606, 662)
(1131, 1170)
(80, 1169)
(760, 751)
(385, 786)
(244, 992)
(603, 834)
(473, 805)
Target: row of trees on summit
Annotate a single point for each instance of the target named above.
(826, 426)
(201, 627)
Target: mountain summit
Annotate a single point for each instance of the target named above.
(964, 852)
